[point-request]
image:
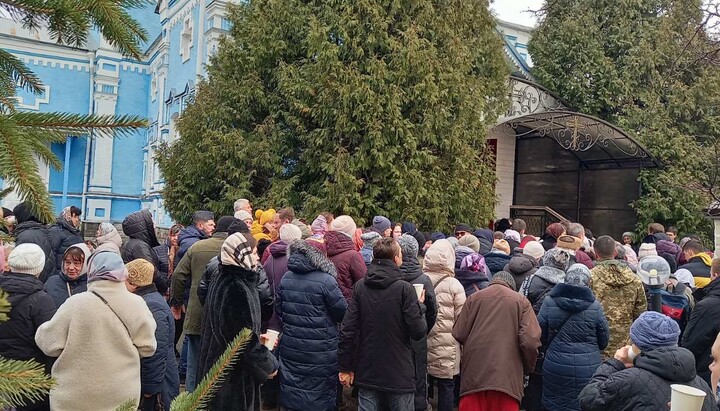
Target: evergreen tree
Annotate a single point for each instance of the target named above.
(362, 107)
(638, 64)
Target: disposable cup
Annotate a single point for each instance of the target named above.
(686, 398)
(272, 339)
(419, 289)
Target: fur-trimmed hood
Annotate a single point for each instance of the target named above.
(304, 258)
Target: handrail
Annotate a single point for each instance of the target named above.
(546, 209)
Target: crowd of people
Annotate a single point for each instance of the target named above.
(480, 319)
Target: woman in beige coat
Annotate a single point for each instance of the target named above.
(443, 350)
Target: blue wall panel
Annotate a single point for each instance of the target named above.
(122, 207)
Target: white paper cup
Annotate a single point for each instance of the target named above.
(419, 289)
(272, 338)
(686, 398)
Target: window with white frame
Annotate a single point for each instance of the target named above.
(186, 39)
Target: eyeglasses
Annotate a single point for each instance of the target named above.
(460, 234)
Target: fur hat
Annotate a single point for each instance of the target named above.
(504, 278)
(408, 245)
(380, 224)
(653, 330)
(140, 272)
(27, 259)
(344, 224)
(569, 242)
(647, 249)
(534, 249)
(289, 233)
(470, 241)
(502, 245)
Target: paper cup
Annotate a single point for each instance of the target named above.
(419, 289)
(272, 338)
(685, 398)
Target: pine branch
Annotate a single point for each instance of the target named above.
(12, 68)
(198, 399)
(77, 124)
(22, 382)
(129, 405)
(4, 306)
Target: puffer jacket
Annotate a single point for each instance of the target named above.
(538, 285)
(276, 266)
(63, 235)
(443, 350)
(311, 305)
(521, 267)
(30, 230)
(646, 386)
(187, 237)
(703, 328)
(60, 287)
(575, 351)
(140, 229)
(622, 296)
(699, 266)
(348, 262)
(496, 262)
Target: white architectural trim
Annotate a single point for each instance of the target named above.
(45, 99)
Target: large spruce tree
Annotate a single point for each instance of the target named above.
(642, 65)
(361, 107)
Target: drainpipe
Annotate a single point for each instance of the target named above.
(66, 171)
(88, 146)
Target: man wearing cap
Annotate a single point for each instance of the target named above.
(462, 229)
(639, 376)
(159, 377)
(492, 376)
(188, 274)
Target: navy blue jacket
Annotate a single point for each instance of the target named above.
(496, 262)
(575, 352)
(60, 287)
(310, 304)
(159, 373)
(187, 237)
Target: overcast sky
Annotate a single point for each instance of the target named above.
(515, 11)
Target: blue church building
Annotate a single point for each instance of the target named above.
(109, 178)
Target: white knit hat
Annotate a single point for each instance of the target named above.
(647, 249)
(290, 232)
(534, 249)
(242, 215)
(27, 259)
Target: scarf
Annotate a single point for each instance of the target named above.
(238, 251)
(106, 265)
(474, 262)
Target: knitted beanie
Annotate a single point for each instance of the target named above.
(380, 224)
(465, 228)
(223, 223)
(140, 272)
(470, 241)
(647, 249)
(345, 224)
(653, 330)
(534, 249)
(578, 274)
(505, 278)
(242, 215)
(370, 238)
(408, 245)
(512, 235)
(319, 225)
(556, 258)
(289, 233)
(27, 259)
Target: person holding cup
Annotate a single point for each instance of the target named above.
(641, 374)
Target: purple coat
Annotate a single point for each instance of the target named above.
(348, 262)
(276, 266)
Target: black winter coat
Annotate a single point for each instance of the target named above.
(162, 252)
(496, 262)
(63, 235)
(383, 318)
(311, 305)
(232, 304)
(30, 307)
(646, 386)
(703, 327)
(541, 283)
(159, 373)
(60, 287)
(141, 242)
(575, 351)
(697, 267)
(521, 267)
(33, 232)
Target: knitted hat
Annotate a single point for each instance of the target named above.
(320, 225)
(534, 249)
(266, 216)
(408, 245)
(502, 246)
(463, 228)
(289, 233)
(556, 258)
(569, 242)
(380, 224)
(653, 330)
(238, 226)
(504, 278)
(470, 241)
(140, 272)
(345, 224)
(512, 235)
(27, 259)
(578, 274)
(647, 249)
(370, 238)
(242, 215)
(224, 223)
(629, 234)
(437, 236)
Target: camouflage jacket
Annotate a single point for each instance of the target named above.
(623, 299)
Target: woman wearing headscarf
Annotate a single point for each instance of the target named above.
(98, 338)
(108, 239)
(552, 233)
(65, 232)
(574, 333)
(232, 305)
(72, 278)
(443, 350)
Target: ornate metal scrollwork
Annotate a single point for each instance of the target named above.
(528, 98)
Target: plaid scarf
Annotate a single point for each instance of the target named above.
(238, 251)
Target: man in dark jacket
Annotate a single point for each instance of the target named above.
(413, 274)
(202, 227)
(159, 378)
(704, 324)
(31, 230)
(65, 232)
(698, 262)
(185, 281)
(384, 316)
(140, 229)
(30, 307)
(639, 376)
